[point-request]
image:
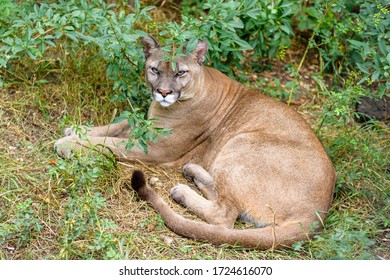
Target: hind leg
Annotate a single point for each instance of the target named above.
(202, 179)
(209, 210)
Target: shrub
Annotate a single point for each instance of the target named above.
(349, 35)
(231, 27)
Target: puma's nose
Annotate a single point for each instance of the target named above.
(164, 92)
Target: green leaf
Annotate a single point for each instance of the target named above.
(363, 68)
(3, 62)
(31, 55)
(142, 146)
(287, 29)
(236, 23)
(383, 48)
(375, 75)
(191, 45)
(253, 13)
(312, 11)
(243, 45)
(137, 6)
(72, 36)
(356, 44)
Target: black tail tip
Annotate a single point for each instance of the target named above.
(138, 180)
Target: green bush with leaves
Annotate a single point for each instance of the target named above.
(231, 27)
(372, 44)
(349, 35)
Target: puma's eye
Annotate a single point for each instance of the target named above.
(181, 73)
(154, 70)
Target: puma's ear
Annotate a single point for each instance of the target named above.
(150, 44)
(200, 51)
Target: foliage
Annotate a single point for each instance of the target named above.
(83, 225)
(7, 8)
(22, 227)
(350, 34)
(231, 27)
(372, 44)
(345, 244)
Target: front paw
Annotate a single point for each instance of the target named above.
(64, 146)
(69, 131)
(77, 130)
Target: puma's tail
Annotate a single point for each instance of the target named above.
(260, 238)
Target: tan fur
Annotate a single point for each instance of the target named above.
(250, 156)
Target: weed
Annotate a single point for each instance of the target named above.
(84, 232)
(22, 228)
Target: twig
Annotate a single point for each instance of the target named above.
(273, 227)
(125, 164)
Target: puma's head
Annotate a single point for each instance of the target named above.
(168, 84)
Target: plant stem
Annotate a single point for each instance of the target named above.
(306, 51)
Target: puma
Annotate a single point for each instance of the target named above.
(250, 157)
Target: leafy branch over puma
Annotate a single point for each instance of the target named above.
(250, 156)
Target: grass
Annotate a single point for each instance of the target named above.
(82, 208)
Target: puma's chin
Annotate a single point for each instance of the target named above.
(165, 103)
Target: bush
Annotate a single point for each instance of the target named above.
(350, 35)
(231, 27)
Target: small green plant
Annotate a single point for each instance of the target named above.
(81, 170)
(84, 227)
(84, 231)
(21, 228)
(339, 109)
(267, 26)
(371, 49)
(344, 244)
(153, 223)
